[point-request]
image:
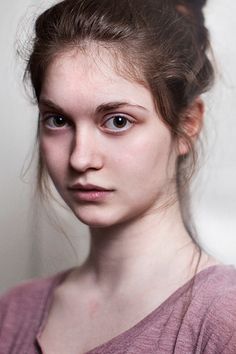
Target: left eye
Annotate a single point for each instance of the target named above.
(118, 123)
(56, 122)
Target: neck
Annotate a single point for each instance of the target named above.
(154, 246)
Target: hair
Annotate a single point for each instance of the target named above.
(164, 44)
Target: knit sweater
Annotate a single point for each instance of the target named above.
(199, 317)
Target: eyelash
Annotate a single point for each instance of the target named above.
(127, 120)
(51, 118)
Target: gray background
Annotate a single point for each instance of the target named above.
(32, 242)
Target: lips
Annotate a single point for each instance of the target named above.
(87, 187)
(90, 193)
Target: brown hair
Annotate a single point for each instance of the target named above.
(164, 44)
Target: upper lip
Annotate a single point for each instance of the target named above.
(87, 187)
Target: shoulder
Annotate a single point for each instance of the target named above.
(214, 283)
(221, 323)
(214, 309)
(28, 293)
(22, 308)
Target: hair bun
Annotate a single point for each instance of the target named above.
(196, 4)
(192, 8)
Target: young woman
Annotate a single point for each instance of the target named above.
(118, 86)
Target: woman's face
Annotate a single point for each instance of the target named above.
(97, 128)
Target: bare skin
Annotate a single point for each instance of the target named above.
(122, 282)
(140, 252)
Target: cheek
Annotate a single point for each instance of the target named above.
(146, 157)
(54, 155)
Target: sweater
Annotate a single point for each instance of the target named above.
(199, 317)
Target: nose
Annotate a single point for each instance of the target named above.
(86, 151)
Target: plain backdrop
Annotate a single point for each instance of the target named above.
(32, 242)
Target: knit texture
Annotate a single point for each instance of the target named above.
(205, 324)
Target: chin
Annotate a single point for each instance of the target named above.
(94, 223)
(107, 219)
(93, 219)
(100, 218)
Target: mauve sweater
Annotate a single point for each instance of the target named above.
(206, 325)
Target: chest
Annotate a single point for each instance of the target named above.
(86, 327)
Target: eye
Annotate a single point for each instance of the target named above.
(118, 123)
(55, 122)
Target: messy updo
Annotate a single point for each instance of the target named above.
(163, 43)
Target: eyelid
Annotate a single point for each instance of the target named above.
(45, 118)
(113, 116)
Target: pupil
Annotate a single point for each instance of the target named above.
(120, 122)
(58, 121)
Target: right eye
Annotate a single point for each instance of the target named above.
(55, 121)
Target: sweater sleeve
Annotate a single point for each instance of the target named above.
(21, 311)
(220, 325)
(19, 317)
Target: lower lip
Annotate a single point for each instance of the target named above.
(92, 195)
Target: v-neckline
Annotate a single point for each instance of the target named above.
(140, 324)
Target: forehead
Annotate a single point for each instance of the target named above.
(92, 74)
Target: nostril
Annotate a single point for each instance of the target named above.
(84, 159)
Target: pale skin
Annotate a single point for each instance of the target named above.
(140, 250)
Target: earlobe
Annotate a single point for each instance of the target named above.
(192, 122)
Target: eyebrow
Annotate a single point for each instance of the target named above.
(50, 104)
(102, 108)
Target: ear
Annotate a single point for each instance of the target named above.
(192, 122)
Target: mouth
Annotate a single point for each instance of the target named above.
(87, 188)
(89, 192)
